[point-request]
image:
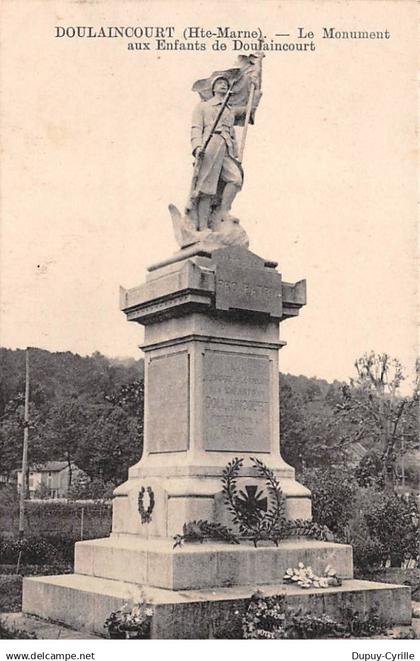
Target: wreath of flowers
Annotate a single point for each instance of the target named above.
(146, 514)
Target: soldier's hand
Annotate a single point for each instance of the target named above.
(198, 152)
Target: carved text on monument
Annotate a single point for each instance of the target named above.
(236, 402)
(168, 390)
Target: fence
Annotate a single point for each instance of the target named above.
(74, 519)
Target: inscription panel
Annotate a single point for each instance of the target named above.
(244, 283)
(168, 403)
(236, 402)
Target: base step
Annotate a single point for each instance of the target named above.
(156, 563)
(84, 602)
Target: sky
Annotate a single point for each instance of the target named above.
(95, 143)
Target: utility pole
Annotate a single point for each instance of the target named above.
(24, 452)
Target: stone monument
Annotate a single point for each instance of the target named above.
(211, 314)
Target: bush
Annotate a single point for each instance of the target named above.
(368, 554)
(393, 522)
(84, 488)
(333, 496)
(63, 545)
(10, 593)
(369, 472)
(46, 550)
(32, 550)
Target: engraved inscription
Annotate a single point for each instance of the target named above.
(168, 403)
(243, 289)
(236, 402)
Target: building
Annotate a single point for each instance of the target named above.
(50, 479)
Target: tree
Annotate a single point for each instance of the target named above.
(64, 430)
(308, 427)
(112, 444)
(373, 412)
(11, 436)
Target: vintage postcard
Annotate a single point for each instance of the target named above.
(238, 181)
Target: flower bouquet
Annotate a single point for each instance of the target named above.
(130, 621)
(305, 577)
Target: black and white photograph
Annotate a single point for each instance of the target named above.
(209, 373)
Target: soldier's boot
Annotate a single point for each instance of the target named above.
(229, 193)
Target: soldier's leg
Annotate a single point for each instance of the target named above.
(232, 175)
(203, 211)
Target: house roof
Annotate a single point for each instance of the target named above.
(50, 467)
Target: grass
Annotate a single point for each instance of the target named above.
(11, 583)
(10, 593)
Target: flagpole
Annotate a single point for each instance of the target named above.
(246, 123)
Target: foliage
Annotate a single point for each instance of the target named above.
(271, 618)
(333, 495)
(368, 554)
(42, 492)
(371, 410)
(111, 444)
(11, 435)
(72, 399)
(64, 428)
(265, 617)
(9, 502)
(50, 549)
(393, 521)
(13, 633)
(369, 472)
(86, 488)
(200, 531)
(32, 550)
(130, 621)
(308, 422)
(10, 593)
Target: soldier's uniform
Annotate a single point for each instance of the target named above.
(218, 162)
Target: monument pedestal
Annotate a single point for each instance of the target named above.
(211, 385)
(211, 394)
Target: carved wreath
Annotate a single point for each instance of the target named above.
(260, 515)
(146, 513)
(256, 516)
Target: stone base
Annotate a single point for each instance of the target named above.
(155, 563)
(84, 602)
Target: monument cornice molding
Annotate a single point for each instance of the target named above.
(211, 339)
